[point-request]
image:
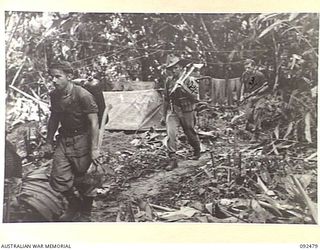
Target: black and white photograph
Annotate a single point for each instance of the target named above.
(161, 117)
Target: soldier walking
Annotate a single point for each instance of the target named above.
(179, 110)
(75, 110)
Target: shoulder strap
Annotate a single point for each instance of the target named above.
(76, 93)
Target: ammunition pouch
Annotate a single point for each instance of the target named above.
(184, 103)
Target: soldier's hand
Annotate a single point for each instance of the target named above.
(95, 169)
(95, 156)
(92, 169)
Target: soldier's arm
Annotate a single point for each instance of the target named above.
(90, 108)
(165, 100)
(53, 124)
(94, 133)
(101, 105)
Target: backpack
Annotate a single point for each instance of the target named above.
(95, 89)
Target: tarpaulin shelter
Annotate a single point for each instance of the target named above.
(134, 110)
(142, 109)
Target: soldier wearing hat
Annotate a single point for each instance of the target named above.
(179, 110)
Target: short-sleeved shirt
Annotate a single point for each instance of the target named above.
(73, 109)
(252, 80)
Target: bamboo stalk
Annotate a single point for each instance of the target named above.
(306, 198)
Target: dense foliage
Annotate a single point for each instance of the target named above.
(241, 182)
(117, 47)
(134, 46)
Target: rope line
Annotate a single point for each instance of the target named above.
(168, 50)
(116, 52)
(115, 63)
(136, 58)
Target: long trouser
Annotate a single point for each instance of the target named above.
(70, 163)
(187, 122)
(254, 112)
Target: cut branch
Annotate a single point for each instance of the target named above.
(29, 96)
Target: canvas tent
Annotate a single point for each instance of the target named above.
(134, 110)
(142, 109)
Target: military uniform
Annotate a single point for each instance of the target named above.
(252, 81)
(180, 112)
(72, 157)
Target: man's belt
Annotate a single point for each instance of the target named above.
(72, 132)
(180, 100)
(183, 103)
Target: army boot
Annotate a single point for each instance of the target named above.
(72, 211)
(85, 211)
(196, 154)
